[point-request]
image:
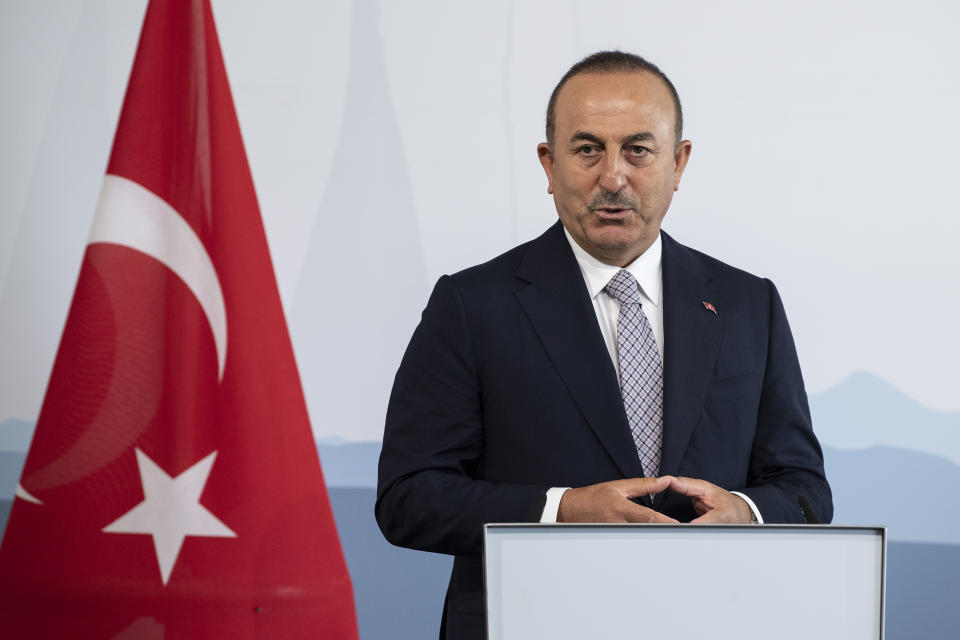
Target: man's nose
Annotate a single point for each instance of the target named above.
(614, 173)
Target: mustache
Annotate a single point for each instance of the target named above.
(612, 200)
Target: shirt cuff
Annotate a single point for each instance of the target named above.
(753, 507)
(552, 506)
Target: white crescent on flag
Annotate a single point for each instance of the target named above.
(132, 216)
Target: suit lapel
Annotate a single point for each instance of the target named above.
(691, 344)
(559, 308)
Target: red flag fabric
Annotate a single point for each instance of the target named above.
(172, 488)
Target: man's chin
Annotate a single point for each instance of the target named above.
(618, 248)
(614, 239)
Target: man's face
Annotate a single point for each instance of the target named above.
(614, 165)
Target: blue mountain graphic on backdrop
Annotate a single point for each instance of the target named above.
(864, 411)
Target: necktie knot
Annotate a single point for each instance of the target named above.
(623, 287)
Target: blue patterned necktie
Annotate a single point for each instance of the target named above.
(641, 371)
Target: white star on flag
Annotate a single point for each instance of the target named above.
(171, 510)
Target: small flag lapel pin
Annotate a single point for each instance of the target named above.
(709, 307)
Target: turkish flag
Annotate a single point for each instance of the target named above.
(173, 489)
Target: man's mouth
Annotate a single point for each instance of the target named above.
(611, 213)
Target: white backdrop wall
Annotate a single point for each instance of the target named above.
(395, 142)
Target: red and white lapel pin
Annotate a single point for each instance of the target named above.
(709, 307)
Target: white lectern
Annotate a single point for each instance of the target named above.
(684, 581)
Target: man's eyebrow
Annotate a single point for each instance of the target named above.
(642, 136)
(585, 136)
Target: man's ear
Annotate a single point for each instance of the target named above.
(680, 161)
(546, 159)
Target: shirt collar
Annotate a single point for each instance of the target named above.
(646, 269)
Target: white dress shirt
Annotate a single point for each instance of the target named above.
(648, 271)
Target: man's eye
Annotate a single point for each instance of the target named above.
(588, 150)
(637, 150)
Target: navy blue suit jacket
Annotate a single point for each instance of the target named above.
(507, 389)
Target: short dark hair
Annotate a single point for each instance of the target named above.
(614, 62)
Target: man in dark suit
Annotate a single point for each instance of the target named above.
(601, 372)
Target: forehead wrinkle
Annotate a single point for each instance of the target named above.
(607, 106)
(639, 122)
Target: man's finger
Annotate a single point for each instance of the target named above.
(690, 487)
(710, 517)
(639, 514)
(633, 487)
